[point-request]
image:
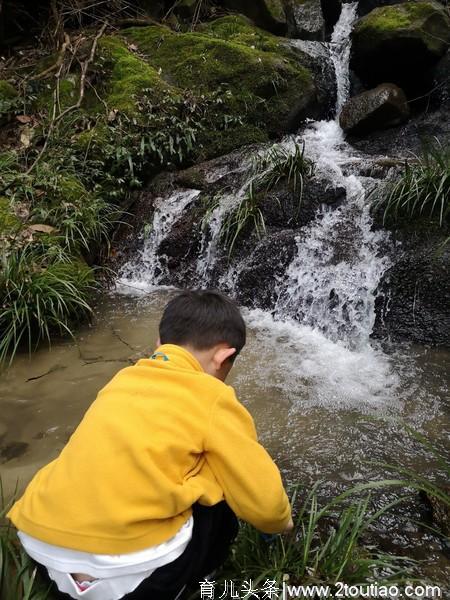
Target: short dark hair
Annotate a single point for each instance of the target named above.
(202, 319)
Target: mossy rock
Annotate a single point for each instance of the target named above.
(268, 14)
(400, 43)
(265, 85)
(218, 143)
(128, 77)
(67, 94)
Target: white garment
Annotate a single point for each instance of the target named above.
(116, 575)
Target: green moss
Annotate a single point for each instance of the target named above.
(217, 143)
(7, 91)
(248, 72)
(276, 10)
(422, 18)
(239, 29)
(9, 223)
(128, 77)
(67, 95)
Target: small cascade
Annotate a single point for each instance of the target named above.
(330, 283)
(148, 267)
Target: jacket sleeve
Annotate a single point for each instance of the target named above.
(249, 478)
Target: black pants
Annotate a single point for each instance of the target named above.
(215, 528)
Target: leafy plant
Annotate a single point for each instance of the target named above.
(279, 163)
(423, 189)
(323, 549)
(42, 291)
(246, 215)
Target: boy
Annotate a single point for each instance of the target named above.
(143, 498)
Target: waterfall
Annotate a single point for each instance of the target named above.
(330, 283)
(147, 268)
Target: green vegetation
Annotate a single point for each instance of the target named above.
(423, 189)
(428, 19)
(42, 291)
(278, 163)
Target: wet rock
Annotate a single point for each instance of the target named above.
(380, 108)
(283, 207)
(306, 20)
(316, 56)
(256, 281)
(441, 82)
(13, 450)
(440, 510)
(412, 298)
(400, 44)
(406, 138)
(268, 14)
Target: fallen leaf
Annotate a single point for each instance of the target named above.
(41, 228)
(24, 119)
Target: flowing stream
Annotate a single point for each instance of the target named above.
(328, 401)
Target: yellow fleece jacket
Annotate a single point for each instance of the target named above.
(160, 436)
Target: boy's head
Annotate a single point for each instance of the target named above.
(209, 325)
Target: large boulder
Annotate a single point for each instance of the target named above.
(306, 20)
(366, 6)
(268, 14)
(380, 108)
(263, 84)
(400, 44)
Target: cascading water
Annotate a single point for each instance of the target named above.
(330, 283)
(325, 301)
(148, 267)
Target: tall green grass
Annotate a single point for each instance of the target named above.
(19, 579)
(42, 292)
(423, 188)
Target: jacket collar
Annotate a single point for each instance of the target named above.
(178, 356)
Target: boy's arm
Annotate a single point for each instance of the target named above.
(250, 480)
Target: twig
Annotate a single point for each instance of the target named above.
(58, 63)
(55, 119)
(84, 69)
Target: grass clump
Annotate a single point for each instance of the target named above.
(280, 163)
(326, 547)
(18, 575)
(423, 189)
(43, 291)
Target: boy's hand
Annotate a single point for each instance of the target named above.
(289, 527)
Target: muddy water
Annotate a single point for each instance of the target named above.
(324, 412)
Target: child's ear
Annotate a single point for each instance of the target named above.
(221, 355)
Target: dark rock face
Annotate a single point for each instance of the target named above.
(400, 44)
(256, 282)
(413, 295)
(282, 207)
(316, 57)
(306, 20)
(382, 107)
(331, 10)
